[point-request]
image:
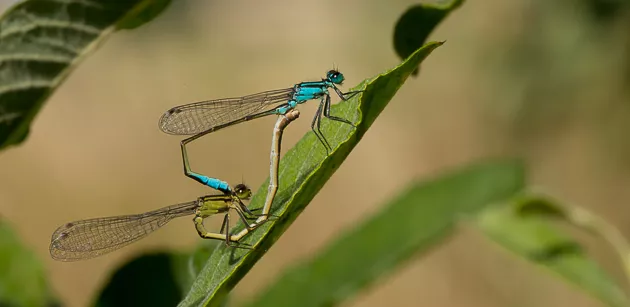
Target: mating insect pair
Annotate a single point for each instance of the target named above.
(94, 237)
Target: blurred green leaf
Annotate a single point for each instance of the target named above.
(188, 266)
(303, 171)
(416, 221)
(522, 231)
(42, 41)
(22, 276)
(164, 278)
(415, 25)
(546, 207)
(148, 280)
(607, 10)
(142, 13)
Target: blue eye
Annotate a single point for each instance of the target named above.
(335, 77)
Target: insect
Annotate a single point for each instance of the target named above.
(91, 238)
(200, 118)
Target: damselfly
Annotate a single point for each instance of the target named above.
(200, 118)
(90, 238)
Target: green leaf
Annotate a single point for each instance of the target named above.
(547, 208)
(189, 265)
(142, 13)
(521, 230)
(155, 278)
(22, 277)
(303, 171)
(42, 41)
(414, 26)
(148, 280)
(422, 217)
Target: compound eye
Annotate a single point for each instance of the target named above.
(240, 187)
(242, 191)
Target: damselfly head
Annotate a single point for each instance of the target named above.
(335, 77)
(242, 191)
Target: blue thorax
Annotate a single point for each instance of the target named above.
(310, 90)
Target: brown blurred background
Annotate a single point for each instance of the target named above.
(546, 80)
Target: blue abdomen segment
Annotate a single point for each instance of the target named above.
(285, 108)
(212, 182)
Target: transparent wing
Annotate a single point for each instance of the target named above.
(197, 117)
(94, 237)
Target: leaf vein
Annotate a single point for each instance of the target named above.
(24, 86)
(34, 58)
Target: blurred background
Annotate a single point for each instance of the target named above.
(546, 80)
